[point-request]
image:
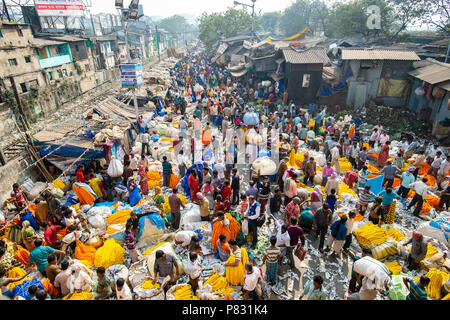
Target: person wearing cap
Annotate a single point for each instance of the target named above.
(418, 250)
(203, 203)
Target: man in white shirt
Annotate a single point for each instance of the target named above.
(349, 225)
(283, 238)
(123, 292)
(436, 164)
(348, 118)
(194, 270)
(335, 155)
(421, 190)
(145, 139)
(220, 168)
(403, 145)
(182, 167)
(183, 125)
(252, 276)
(62, 279)
(431, 152)
(252, 213)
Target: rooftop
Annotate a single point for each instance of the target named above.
(379, 54)
(308, 56)
(432, 71)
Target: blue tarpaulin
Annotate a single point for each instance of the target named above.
(67, 151)
(376, 185)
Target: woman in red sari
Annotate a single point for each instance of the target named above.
(384, 154)
(226, 195)
(194, 184)
(143, 180)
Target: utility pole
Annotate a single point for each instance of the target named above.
(157, 43)
(448, 53)
(19, 102)
(5, 10)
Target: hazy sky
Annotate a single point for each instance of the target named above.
(167, 8)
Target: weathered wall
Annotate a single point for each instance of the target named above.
(9, 174)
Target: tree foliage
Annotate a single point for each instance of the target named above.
(270, 21)
(437, 14)
(174, 24)
(215, 26)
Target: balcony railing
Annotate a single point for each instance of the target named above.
(55, 61)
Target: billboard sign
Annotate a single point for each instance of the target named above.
(59, 8)
(131, 75)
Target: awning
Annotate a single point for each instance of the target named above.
(238, 74)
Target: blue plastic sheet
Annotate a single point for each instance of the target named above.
(22, 289)
(376, 185)
(135, 197)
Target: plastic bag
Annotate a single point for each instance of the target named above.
(251, 118)
(245, 227)
(117, 271)
(265, 165)
(97, 222)
(109, 254)
(191, 215)
(115, 168)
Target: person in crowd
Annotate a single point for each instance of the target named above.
(389, 171)
(253, 212)
(19, 197)
(235, 186)
(175, 208)
(416, 289)
(338, 235)
(194, 269)
(421, 189)
(313, 290)
(62, 278)
(251, 281)
(167, 171)
(272, 259)
(322, 219)
(365, 196)
(40, 254)
(165, 265)
(418, 250)
(203, 203)
(275, 203)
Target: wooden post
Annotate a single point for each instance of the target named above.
(19, 103)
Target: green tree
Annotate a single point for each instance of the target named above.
(296, 17)
(174, 24)
(351, 18)
(406, 13)
(270, 21)
(437, 15)
(304, 13)
(215, 26)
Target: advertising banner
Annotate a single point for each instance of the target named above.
(59, 8)
(131, 75)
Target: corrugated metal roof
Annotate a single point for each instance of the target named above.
(433, 73)
(311, 55)
(39, 43)
(67, 38)
(368, 54)
(445, 85)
